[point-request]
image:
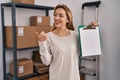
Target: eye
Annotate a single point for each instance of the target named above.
(61, 15)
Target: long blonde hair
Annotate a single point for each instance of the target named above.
(69, 25)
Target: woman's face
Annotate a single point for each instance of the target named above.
(60, 18)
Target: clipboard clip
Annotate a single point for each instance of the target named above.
(89, 27)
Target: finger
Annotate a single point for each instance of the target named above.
(37, 33)
(44, 34)
(94, 24)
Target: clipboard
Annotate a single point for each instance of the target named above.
(89, 41)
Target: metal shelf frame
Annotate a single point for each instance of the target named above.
(96, 58)
(90, 72)
(14, 49)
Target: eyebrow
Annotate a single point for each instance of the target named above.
(60, 13)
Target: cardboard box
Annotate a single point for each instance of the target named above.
(25, 36)
(40, 77)
(36, 56)
(40, 67)
(33, 78)
(44, 77)
(24, 65)
(24, 1)
(82, 76)
(39, 20)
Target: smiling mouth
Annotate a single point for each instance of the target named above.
(57, 23)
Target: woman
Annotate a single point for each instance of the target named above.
(59, 48)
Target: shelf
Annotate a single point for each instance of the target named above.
(87, 71)
(29, 6)
(88, 58)
(26, 76)
(23, 48)
(13, 7)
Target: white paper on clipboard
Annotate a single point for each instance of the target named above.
(90, 42)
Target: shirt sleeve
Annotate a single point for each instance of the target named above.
(45, 53)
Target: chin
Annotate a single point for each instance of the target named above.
(57, 26)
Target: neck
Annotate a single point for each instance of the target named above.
(62, 31)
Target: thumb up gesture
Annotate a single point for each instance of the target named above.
(42, 36)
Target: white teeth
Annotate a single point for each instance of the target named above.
(56, 22)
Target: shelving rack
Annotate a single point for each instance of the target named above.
(83, 70)
(86, 71)
(14, 49)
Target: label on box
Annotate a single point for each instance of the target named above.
(39, 20)
(21, 69)
(20, 31)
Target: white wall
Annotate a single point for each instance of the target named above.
(108, 19)
(110, 40)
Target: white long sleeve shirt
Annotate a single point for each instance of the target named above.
(62, 54)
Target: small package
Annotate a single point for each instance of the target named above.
(24, 1)
(40, 67)
(39, 20)
(24, 67)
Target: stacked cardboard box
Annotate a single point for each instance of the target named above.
(37, 63)
(39, 20)
(40, 77)
(24, 1)
(25, 35)
(40, 67)
(44, 77)
(33, 78)
(22, 67)
(36, 56)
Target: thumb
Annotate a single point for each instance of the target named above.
(37, 33)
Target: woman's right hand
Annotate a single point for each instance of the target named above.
(94, 24)
(42, 36)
